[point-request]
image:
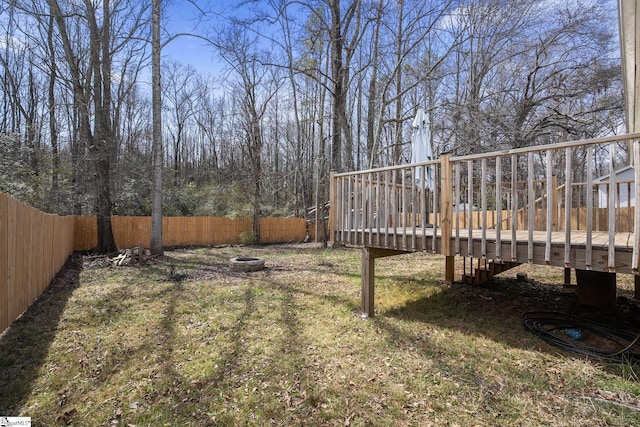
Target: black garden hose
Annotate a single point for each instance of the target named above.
(550, 326)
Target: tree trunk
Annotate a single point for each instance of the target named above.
(106, 242)
(156, 208)
(372, 149)
(55, 157)
(397, 148)
(335, 34)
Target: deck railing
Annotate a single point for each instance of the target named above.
(379, 203)
(549, 188)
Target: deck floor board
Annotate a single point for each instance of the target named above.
(402, 239)
(623, 241)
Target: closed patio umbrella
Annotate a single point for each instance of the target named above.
(421, 148)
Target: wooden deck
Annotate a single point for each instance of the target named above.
(525, 206)
(422, 241)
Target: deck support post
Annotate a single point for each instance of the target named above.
(567, 276)
(449, 269)
(596, 288)
(368, 279)
(369, 256)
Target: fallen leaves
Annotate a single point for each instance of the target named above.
(285, 348)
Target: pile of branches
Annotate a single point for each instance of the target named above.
(132, 256)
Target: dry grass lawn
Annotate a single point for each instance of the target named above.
(186, 341)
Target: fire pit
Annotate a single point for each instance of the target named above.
(246, 264)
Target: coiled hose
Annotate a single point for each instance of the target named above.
(550, 326)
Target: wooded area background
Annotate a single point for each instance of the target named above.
(304, 87)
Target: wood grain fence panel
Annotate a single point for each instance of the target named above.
(15, 258)
(46, 245)
(235, 229)
(36, 253)
(19, 276)
(200, 231)
(29, 256)
(33, 248)
(40, 242)
(228, 230)
(130, 231)
(209, 230)
(202, 227)
(280, 230)
(167, 232)
(187, 231)
(196, 231)
(626, 219)
(190, 231)
(5, 320)
(60, 242)
(47, 251)
(139, 232)
(11, 256)
(65, 230)
(85, 233)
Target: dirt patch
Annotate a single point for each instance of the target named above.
(555, 312)
(531, 295)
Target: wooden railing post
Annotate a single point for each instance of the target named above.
(446, 207)
(554, 203)
(333, 206)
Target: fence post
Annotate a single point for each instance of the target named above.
(446, 207)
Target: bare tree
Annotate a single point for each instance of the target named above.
(105, 42)
(156, 209)
(256, 86)
(337, 90)
(180, 96)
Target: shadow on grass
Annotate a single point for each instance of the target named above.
(495, 311)
(24, 346)
(455, 309)
(204, 400)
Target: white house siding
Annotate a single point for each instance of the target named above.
(622, 176)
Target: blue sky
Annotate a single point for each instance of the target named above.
(180, 16)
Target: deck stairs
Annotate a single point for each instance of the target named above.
(478, 271)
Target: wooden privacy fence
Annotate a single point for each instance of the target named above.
(599, 219)
(33, 248)
(132, 231)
